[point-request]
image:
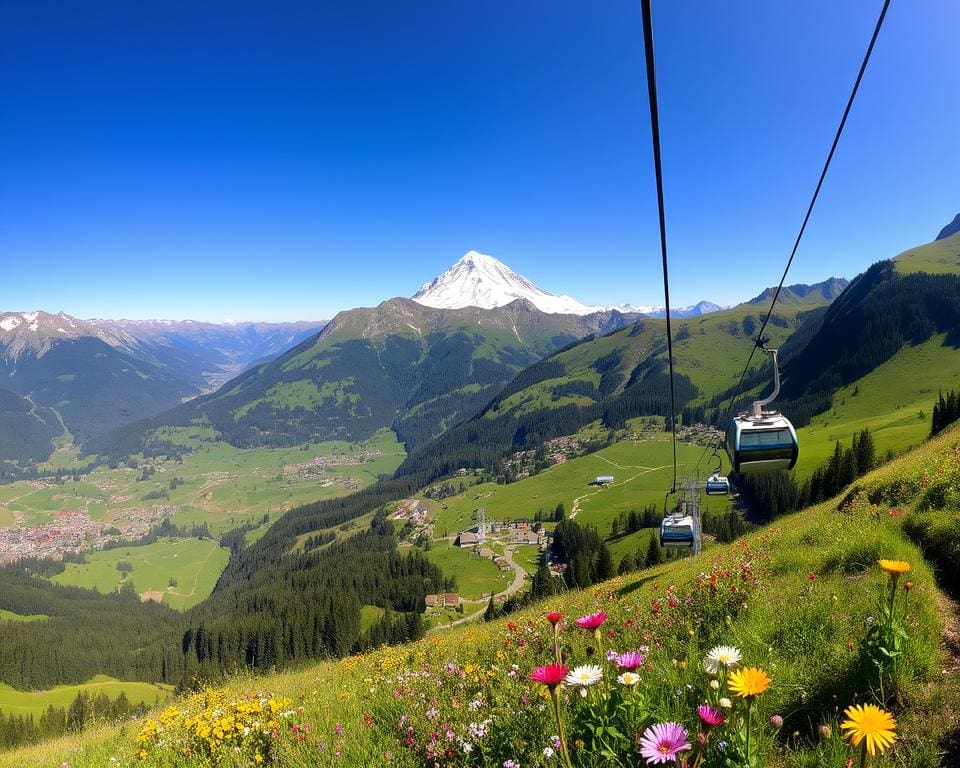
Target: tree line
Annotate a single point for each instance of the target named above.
(17, 730)
(945, 411)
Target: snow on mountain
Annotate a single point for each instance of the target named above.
(36, 332)
(478, 280)
(694, 310)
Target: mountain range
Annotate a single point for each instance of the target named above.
(416, 366)
(420, 370)
(60, 374)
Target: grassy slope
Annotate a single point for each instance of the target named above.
(6, 615)
(13, 702)
(800, 630)
(894, 402)
(642, 470)
(195, 565)
(710, 350)
(941, 257)
(475, 576)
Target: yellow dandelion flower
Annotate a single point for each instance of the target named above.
(894, 567)
(748, 682)
(867, 722)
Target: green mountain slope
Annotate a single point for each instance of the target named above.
(26, 430)
(416, 369)
(880, 313)
(942, 256)
(614, 378)
(93, 386)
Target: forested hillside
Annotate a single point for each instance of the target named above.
(26, 432)
(416, 369)
(93, 386)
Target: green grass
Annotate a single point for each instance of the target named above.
(643, 471)
(527, 556)
(195, 565)
(220, 486)
(476, 576)
(369, 615)
(14, 702)
(941, 257)
(894, 401)
(6, 615)
(807, 633)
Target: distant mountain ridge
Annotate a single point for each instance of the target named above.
(951, 229)
(401, 365)
(791, 294)
(695, 310)
(91, 376)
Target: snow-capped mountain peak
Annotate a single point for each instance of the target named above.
(479, 280)
(38, 330)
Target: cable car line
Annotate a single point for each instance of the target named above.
(760, 341)
(655, 135)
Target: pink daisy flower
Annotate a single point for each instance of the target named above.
(661, 743)
(592, 621)
(710, 717)
(630, 660)
(550, 675)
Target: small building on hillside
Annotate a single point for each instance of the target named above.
(523, 537)
(467, 539)
(451, 600)
(502, 563)
(602, 480)
(432, 601)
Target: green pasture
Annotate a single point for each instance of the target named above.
(195, 564)
(642, 470)
(894, 401)
(6, 615)
(527, 556)
(369, 615)
(941, 257)
(475, 576)
(215, 483)
(14, 702)
(632, 543)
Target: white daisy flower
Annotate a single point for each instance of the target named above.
(628, 679)
(584, 675)
(721, 657)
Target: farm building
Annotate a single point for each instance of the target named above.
(468, 539)
(602, 480)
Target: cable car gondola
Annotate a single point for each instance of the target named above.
(677, 531)
(717, 485)
(761, 441)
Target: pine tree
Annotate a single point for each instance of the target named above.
(654, 552)
(604, 566)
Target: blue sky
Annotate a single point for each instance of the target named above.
(285, 160)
